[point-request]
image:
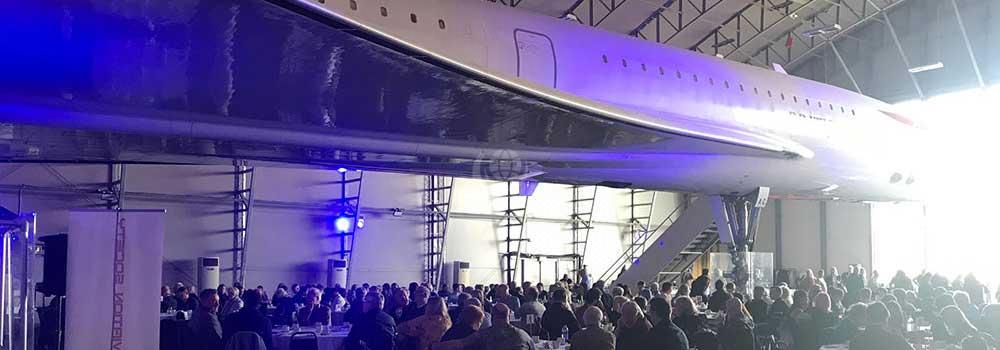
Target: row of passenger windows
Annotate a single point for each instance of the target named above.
(711, 81)
(441, 24)
(385, 13)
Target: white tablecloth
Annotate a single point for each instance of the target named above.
(332, 341)
(545, 345)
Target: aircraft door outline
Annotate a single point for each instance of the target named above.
(536, 57)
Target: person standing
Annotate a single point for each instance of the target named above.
(204, 324)
(700, 285)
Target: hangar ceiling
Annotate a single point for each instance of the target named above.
(801, 34)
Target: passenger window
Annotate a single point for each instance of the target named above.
(624, 63)
(441, 24)
(605, 58)
(661, 70)
(726, 83)
(842, 109)
(354, 5)
(741, 87)
(384, 11)
(795, 99)
(695, 77)
(679, 75)
(643, 67)
(413, 17)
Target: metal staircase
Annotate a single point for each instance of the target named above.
(669, 248)
(628, 256)
(681, 263)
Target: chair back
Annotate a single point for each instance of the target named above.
(304, 341)
(246, 341)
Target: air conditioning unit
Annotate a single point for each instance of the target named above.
(208, 273)
(336, 272)
(461, 273)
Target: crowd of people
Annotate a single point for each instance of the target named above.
(802, 314)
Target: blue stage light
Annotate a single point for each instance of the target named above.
(342, 224)
(341, 170)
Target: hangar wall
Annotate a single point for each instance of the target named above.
(290, 242)
(816, 235)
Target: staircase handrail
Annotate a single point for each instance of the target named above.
(622, 259)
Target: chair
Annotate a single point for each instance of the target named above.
(304, 341)
(246, 341)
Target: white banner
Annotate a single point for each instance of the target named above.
(114, 265)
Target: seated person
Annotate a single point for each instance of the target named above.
(313, 313)
(184, 300)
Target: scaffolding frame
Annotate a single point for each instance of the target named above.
(243, 179)
(641, 203)
(437, 204)
(347, 205)
(513, 222)
(582, 222)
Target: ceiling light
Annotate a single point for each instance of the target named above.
(928, 67)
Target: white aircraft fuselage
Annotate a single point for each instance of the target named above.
(840, 144)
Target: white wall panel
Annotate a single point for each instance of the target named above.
(849, 235)
(800, 234)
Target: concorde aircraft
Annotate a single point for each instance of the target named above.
(460, 87)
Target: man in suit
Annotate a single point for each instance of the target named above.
(204, 324)
(665, 334)
(248, 319)
(375, 329)
(700, 285)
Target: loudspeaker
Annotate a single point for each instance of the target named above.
(54, 265)
(208, 273)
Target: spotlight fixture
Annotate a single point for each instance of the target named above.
(342, 224)
(361, 222)
(341, 170)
